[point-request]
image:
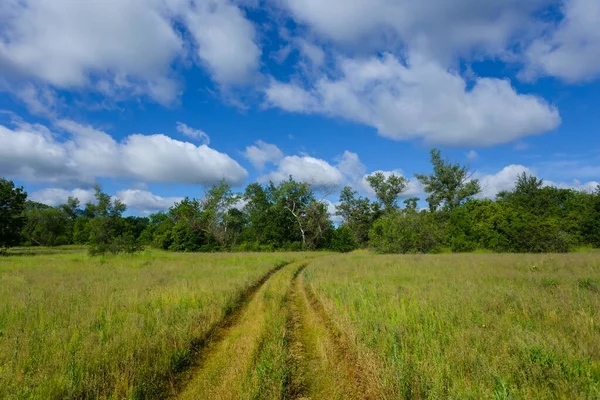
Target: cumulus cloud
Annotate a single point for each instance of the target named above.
(56, 196)
(472, 155)
(226, 40)
(196, 134)
(145, 201)
(571, 50)
(504, 180)
(492, 184)
(262, 153)
(440, 28)
(291, 97)
(305, 169)
(350, 165)
(413, 189)
(128, 48)
(136, 199)
(420, 100)
(35, 153)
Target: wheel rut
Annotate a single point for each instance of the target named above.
(324, 363)
(278, 343)
(228, 367)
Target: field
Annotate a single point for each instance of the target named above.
(299, 325)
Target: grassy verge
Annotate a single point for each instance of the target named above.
(249, 359)
(119, 327)
(470, 326)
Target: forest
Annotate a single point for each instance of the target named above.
(293, 216)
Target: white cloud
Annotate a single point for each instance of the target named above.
(226, 40)
(350, 165)
(262, 153)
(313, 53)
(126, 49)
(145, 201)
(414, 188)
(56, 196)
(64, 43)
(34, 153)
(504, 180)
(39, 100)
(136, 199)
(440, 28)
(472, 155)
(571, 51)
(332, 211)
(492, 184)
(290, 97)
(196, 134)
(420, 101)
(305, 169)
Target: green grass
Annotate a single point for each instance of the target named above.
(118, 327)
(349, 326)
(470, 326)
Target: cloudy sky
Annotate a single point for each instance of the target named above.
(155, 99)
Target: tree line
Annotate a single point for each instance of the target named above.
(292, 215)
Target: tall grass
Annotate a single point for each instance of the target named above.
(119, 327)
(469, 326)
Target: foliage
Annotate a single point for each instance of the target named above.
(449, 184)
(358, 214)
(406, 232)
(342, 240)
(12, 206)
(387, 189)
(292, 215)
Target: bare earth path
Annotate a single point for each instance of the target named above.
(278, 345)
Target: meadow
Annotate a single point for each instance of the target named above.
(467, 325)
(72, 326)
(299, 325)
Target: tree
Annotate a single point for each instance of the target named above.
(449, 185)
(406, 232)
(342, 240)
(387, 189)
(46, 226)
(106, 227)
(309, 215)
(216, 218)
(358, 214)
(12, 220)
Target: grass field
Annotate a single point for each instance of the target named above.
(121, 327)
(468, 326)
(299, 325)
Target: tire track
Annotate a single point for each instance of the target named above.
(325, 364)
(225, 369)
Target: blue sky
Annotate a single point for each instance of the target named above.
(157, 99)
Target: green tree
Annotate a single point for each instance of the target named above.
(46, 226)
(297, 202)
(358, 214)
(342, 240)
(406, 232)
(106, 227)
(12, 219)
(217, 217)
(449, 185)
(387, 190)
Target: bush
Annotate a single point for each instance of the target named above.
(126, 244)
(342, 240)
(407, 232)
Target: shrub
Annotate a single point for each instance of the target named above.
(342, 240)
(406, 232)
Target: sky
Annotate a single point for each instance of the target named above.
(159, 99)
